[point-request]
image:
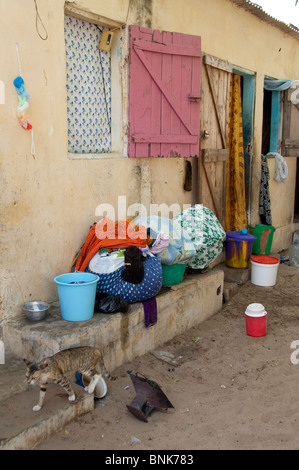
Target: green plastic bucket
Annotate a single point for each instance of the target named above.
(264, 237)
(77, 293)
(172, 274)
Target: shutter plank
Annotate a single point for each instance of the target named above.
(217, 63)
(215, 155)
(196, 90)
(155, 148)
(167, 99)
(213, 89)
(165, 139)
(167, 48)
(176, 125)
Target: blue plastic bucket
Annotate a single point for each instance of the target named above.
(77, 293)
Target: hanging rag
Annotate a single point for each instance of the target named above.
(277, 85)
(109, 234)
(150, 311)
(235, 205)
(281, 167)
(265, 204)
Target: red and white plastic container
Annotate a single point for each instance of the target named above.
(256, 320)
(264, 270)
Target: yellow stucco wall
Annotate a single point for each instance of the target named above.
(48, 202)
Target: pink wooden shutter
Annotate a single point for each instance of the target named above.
(164, 93)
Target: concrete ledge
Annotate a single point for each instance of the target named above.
(23, 429)
(12, 378)
(120, 336)
(235, 275)
(229, 290)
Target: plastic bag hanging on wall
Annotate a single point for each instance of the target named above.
(23, 102)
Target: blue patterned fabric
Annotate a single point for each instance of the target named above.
(88, 88)
(150, 286)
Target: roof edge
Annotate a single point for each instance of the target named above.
(258, 11)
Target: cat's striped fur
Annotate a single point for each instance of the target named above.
(83, 359)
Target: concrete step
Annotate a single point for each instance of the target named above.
(12, 377)
(21, 428)
(233, 278)
(234, 275)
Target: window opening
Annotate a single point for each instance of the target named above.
(88, 83)
(272, 113)
(266, 122)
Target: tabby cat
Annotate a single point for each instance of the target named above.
(83, 359)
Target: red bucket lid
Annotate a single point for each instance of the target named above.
(264, 259)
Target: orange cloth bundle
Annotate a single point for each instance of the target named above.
(109, 234)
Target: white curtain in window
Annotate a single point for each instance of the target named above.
(88, 88)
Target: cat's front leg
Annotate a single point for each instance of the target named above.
(42, 393)
(65, 384)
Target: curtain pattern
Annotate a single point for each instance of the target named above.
(235, 213)
(265, 203)
(88, 85)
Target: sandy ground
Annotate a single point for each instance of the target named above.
(229, 391)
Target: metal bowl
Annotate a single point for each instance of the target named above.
(36, 311)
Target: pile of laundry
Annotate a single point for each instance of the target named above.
(128, 255)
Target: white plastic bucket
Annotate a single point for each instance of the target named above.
(264, 270)
(100, 390)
